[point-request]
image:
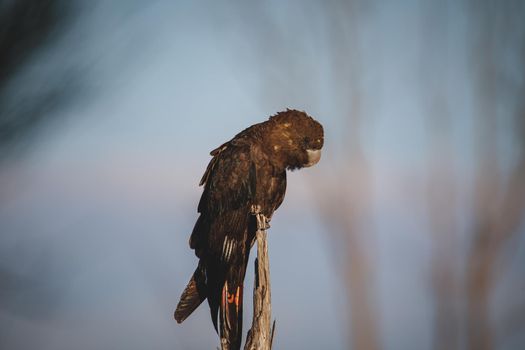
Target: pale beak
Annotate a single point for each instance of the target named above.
(313, 157)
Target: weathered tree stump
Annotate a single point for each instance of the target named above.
(260, 336)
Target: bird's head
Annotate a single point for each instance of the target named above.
(296, 139)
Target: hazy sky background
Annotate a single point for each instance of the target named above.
(97, 210)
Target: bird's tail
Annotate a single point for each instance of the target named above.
(193, 295)
(231, 315)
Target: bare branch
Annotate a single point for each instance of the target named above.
(260, 336)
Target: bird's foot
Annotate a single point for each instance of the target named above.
(266, 223)
(255, 209)
(263, 223)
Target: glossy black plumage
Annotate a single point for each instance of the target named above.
(249, 169)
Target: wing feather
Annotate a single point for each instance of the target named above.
(230, 182)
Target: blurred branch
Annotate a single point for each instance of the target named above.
(442, 205)
(498, 209)
(343, 210)
(260, 336)
(27, 27)
(489, 236)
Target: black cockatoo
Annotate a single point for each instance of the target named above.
(250, 169)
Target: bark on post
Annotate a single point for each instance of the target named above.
(260, 336)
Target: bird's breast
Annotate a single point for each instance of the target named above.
(271, 193)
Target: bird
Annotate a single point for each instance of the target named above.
(248, 170)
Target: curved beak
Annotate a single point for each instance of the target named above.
(313, 157)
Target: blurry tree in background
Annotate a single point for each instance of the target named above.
(499, 198)
(498, 94)
(27, 28)
(498, 38)
(346, 198)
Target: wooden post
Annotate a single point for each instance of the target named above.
(260, 336)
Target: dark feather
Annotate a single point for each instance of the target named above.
(193, 295)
